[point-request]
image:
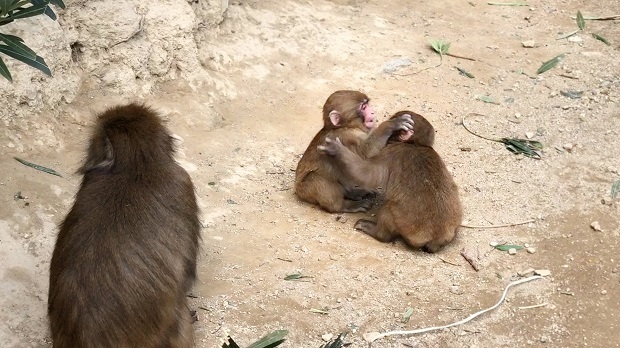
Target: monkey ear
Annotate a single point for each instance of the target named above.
(334, 116)
(100, 157)
(405, 135)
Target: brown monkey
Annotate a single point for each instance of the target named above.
(421, 204)
(125, 256)
(348, 116)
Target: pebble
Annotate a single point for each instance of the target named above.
(494, 244)
(531, 250)
(596, 226)
(512, 251)
(526, 272)
(396, 64)
(542, 272)
(568, 147)
(529, 135)
(603, 292)
(327, 337)
(529, 43)
(575, 38)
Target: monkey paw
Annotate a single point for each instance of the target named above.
(330, 147)
(403, 123)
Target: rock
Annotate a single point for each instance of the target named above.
(529, 135)
(494, 244)
(607, 201)
(341, 218)
(575, 38)
(512, 251)
(531, 250)
(396, 64)
(596, 226)
(542, 272)
(371, 336)
(526, 272)
(529, 43)
(603, 292)
(327, 337)
(568, 147)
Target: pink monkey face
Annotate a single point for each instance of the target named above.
(368, 114)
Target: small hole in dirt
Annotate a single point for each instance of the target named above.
(76, 51)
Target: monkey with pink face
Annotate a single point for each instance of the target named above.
(349, 116)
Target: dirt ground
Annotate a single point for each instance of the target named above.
(277, 63)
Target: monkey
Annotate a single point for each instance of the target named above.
(125, 255)
(349, 116)
(421, 201)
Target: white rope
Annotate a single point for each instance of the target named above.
(373, 336)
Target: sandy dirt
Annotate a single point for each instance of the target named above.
(241, 140)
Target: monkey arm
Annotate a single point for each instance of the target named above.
(378, 137)
(366, 174)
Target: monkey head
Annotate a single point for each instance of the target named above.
(348, 108)
(422, 133)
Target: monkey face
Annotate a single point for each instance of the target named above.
(367, 114)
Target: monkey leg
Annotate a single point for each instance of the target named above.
(329, 195)
(377, 230)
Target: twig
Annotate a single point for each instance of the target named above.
(448, 262)
(371, 337)
(498, 226)
(286, 260)
(470, 258)
(467, 129)
(508, 3)
(570, 77)
(567, 293)
(419, 71)
(534, 306)
(136, 32)
(460, 57)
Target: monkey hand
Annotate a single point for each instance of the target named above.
(331, 147)
(402, 123)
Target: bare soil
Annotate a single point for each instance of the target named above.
(277, 63)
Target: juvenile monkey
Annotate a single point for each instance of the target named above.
(421, 201)
(348, 116)
(125, 256)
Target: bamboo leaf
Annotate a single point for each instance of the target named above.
(17, 4)
(58, 3)
(407, 315)
(38, 63)
(273, 339)
(37, 167)
(529, 148)
(48, 11)
(487, 99)
(230, 343)
(615, 189)
(319, 311)
(5, 6)
(464, 72)
(16, 43)
(505, 247)
(31, 11)
(572, 94)
(550, 64)
(602, 39)
(296, 276)
(4, 71)
(581, 23)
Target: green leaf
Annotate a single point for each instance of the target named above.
(38, 63)
(17, 4)
(464, 72)
(602, 39)
(505, 247)
(529, 148)
(48, 11)
(581, 23)
(274, 339)
(16, 43)
(487, 99)
(572, 94)
(58, 3)
(5, 6)
(31, 11)
(440, 46)
(550, 64)
(615, 189)
(296, 276)
(37, 167)
(407, 315)
(230, 343)
(4, 71)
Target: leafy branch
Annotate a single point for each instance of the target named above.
(529, 148)
(14, 46)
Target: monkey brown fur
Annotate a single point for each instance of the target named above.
(125, 256)
(348, 116)
(422, 204)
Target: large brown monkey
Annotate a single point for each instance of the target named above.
(421, 204)
(125, 256)
(348, 116)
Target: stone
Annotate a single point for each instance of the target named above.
(529, 43)
(596, 226)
